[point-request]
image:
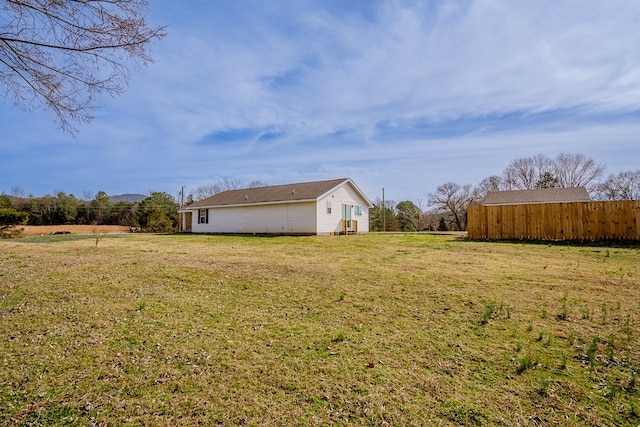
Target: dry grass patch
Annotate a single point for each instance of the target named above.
(363, 330)
(43, 230)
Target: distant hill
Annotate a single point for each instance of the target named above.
(131, 198)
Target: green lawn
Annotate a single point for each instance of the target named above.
(416, 329)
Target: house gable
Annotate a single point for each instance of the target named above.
(357, 193)
(344, 202)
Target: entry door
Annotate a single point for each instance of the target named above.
(346, 212)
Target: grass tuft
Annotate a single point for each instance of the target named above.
(340, 337)
(525, 363)
(592, 351)
(564, 313)
(488, 312)
(543, 389)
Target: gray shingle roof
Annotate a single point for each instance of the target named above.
(275, 193)
(540, 195)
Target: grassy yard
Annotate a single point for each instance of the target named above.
(344, 330)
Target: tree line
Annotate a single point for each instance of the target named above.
(446, 207)
(156, 213)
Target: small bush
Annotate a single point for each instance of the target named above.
(592, 351)
(564, 302)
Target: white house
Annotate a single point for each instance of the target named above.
(321, 207)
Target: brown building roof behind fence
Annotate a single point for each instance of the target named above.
(275, 193)
(540, 195)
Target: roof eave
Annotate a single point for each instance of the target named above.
(238, 205)
(354, 186)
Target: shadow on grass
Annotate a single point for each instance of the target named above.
(247, 235)
(622, 244)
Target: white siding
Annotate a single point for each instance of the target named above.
(344, 194)
(295, 218)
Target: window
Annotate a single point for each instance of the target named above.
(203, 216)
(328, 208)
(359, 210)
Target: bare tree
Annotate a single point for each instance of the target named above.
(87, 195)
(17, 191)
(454, 199)
(223, 185)
(212, 189)
(430, 219)
(423, 222)
(205, 191)
(624, 186)
(576, 170)
(62, 55)
(229, 184)
(491, 183)
(526, 172)
(565, 170)
(256, 184)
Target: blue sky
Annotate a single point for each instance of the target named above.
(399, 94)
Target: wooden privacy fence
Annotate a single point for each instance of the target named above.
(605, 220)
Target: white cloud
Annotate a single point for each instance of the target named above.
(320, 71)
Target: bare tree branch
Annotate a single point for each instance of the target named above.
(64, 55)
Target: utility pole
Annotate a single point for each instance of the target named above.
(384, 213)
(181, 215)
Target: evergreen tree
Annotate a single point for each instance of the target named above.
(408, 215)
(547, 180)
(158, 212)
(100, 208)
